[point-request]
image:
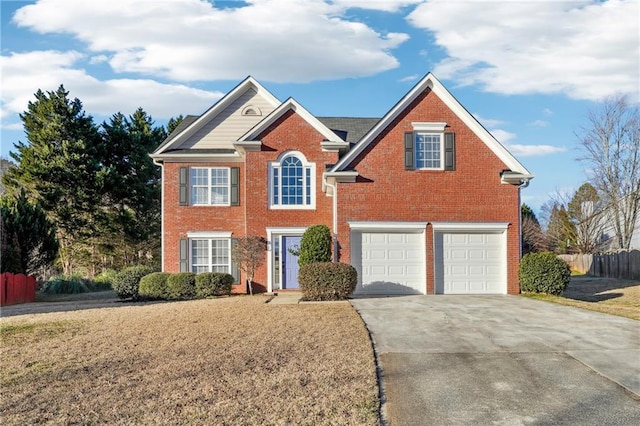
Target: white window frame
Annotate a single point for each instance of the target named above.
(209, 186)
(430, 129)
(307, 167)
(210, 265)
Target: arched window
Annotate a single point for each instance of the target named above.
(292, 182)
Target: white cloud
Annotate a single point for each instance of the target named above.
(547, 111)
(24, 73)
(409, 78)
(488, 122)
(519, 150)
(539, 123)
(383, 5)
(584, 49)
(192, 40)
(502, 135)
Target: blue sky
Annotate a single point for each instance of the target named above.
(529, 71)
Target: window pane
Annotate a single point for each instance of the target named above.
(427, 150)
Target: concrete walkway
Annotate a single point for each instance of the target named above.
(505, 360)
(286, 298)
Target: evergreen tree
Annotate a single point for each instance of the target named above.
(173, 123)
(533, 239)
(59, 167)
(28, 238)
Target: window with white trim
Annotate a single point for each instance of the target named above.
(292, 182)
(210, 186)
(210, 255)
(428, 150)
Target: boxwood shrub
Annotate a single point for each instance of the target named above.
(210, 284)
(126, 282)
(543, 273)
(154, 286)
(315, 245)
(181, 286)
(327, 281)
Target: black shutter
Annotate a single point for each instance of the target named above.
(235, 186)
(408, 151)
(235, 268)
(449, 151)
(184, 186)
(184, 255)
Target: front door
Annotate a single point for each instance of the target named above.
(290, 262)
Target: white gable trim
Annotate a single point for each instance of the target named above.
(217, 108)
(430, 81)
(291, 104)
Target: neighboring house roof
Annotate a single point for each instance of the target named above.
(192, 127)
(429, 81)
(350, 129)
(290, 104)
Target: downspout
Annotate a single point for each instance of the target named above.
(335, 218)
(161, 165)
(523, 184)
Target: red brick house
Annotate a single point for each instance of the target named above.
(422, 200)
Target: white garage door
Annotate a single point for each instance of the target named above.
(390, 262)
(470, 263)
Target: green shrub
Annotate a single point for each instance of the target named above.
(327, 281)
(210, 284)
(104, 280)
(315, 245)
(154, 286)
(127, 281)
(543, 273)
(181, 286)
(66, 284)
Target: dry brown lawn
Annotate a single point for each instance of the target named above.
(217, 362)
(608, 295)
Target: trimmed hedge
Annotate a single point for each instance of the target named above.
(127, 281)
(543, 273)
(327, 281)
(209, 284)
(315, 245)
(181, 286)
(154, 286)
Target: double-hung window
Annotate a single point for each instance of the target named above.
(210, 255)
(210, 186)
(429, 147)
(292, 182)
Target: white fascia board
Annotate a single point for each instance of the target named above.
(209, 234)
(220, 106)
(429, 127)
(387, 226)
(333, 146)
(469, 226)
(512, 178)
(198, 158)
(290, 104)
(247, 146)
(430, 81)
(333, 177)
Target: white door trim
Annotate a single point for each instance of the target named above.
(278, 232)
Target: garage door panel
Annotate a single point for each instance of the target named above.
(392, 263)
(470, 262)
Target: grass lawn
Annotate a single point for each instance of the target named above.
(226, 361)
(608, 295)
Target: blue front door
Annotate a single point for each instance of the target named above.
(290, 262)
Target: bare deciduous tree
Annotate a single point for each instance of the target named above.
(612, 155)
(249, 254)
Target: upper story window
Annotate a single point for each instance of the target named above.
(292, 182)
(428, 147)
(209, 186)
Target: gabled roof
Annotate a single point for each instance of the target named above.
(429, 81)
(193, 126)
(290, 104)
(350, 129)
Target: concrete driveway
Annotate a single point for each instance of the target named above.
(502, 360)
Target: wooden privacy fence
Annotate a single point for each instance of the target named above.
(624, 264)
(17, 288)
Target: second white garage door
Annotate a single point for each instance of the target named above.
(470, 262)
(391, 262)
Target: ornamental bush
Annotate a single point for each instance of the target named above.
(209, 284)
(327, 281)
(127, 281)
(181, 286)
(154, 286)
(543, 273)
(315, 245)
